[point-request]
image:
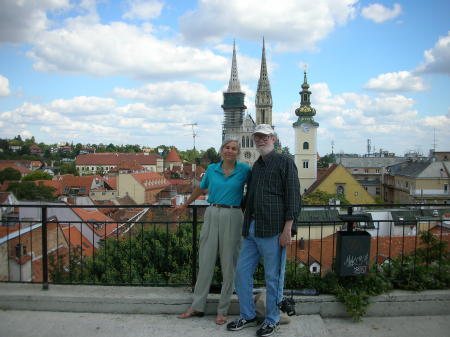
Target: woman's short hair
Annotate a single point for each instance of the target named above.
(229, 140)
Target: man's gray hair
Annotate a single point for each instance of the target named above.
(229, 140)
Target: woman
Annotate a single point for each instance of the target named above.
(221, 231)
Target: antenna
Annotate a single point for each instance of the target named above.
(368, 146)
(193, 131)
(332, 147)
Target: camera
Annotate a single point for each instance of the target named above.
(287, 305)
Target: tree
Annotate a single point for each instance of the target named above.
(212, 155)
(68, 168)
(28, 190)
(37, 175)
(285, 150)
(10, 174)
(326, 160)
(322, 198)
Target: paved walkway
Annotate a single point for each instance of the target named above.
(67, 324)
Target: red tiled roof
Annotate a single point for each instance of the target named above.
(21, 169)
(3, 197)
(173, 156)
(116, 158)
(112, 182)
(128, 165)
(324, 251)
(145, 177)
(179, 181)
(51, 183)
(91, 216)
(76, 239)
(69, 180)
(8, 230)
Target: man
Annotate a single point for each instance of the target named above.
(272, 206)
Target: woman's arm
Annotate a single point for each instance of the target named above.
(195, 194)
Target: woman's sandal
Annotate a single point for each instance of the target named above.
(191, 313)
(221, 319)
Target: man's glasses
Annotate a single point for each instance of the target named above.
(261, 137)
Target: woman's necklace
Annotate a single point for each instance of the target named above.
(227, 170)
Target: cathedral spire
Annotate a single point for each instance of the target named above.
(263, 100)
(234, 85)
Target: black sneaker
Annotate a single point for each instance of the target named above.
(267, 329)
(240, 323)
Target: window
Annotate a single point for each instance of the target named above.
(366, 170)
(377, 191)
(446, 188)
(247, 142)
(243, 141)
(340, 190)
(356, 194)
(406, 184)
(305, 97)
(377, 170)
(263, 116)
(305, 164)
(21, 250)
(305, 146)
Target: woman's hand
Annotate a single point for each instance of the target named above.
(179, 209)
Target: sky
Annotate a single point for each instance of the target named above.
(139, 72)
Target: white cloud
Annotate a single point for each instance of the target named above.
(21, 21)
(391, 121)
(170, 93)
(294, 24)
(437, 59)
(143, 9)
(4, 86)
(378, 13)
(83, 104)
(122, 49)
(398, 81)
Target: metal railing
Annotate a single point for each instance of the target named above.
(154, 248)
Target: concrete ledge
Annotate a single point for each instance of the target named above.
(161, 300)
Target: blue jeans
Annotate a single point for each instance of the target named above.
(253, 248)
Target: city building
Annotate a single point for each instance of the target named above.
(416, 181)
(143, 188)
(337, 180)
(369, 171)
(93, 163)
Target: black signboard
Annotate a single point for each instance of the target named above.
(352, 253)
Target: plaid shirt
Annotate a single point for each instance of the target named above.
(273, 195)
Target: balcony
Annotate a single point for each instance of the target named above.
(153, 255)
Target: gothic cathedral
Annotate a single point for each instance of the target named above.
(236, 125)
(305, 129)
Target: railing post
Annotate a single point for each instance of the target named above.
(194, 246)
(44, 248)
(349, 223)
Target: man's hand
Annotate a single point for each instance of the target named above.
(285, 236)
(285, 239)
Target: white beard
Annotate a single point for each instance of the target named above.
(264, 150)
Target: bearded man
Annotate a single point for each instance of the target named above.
(272, 207)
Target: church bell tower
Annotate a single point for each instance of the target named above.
(305, 129)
